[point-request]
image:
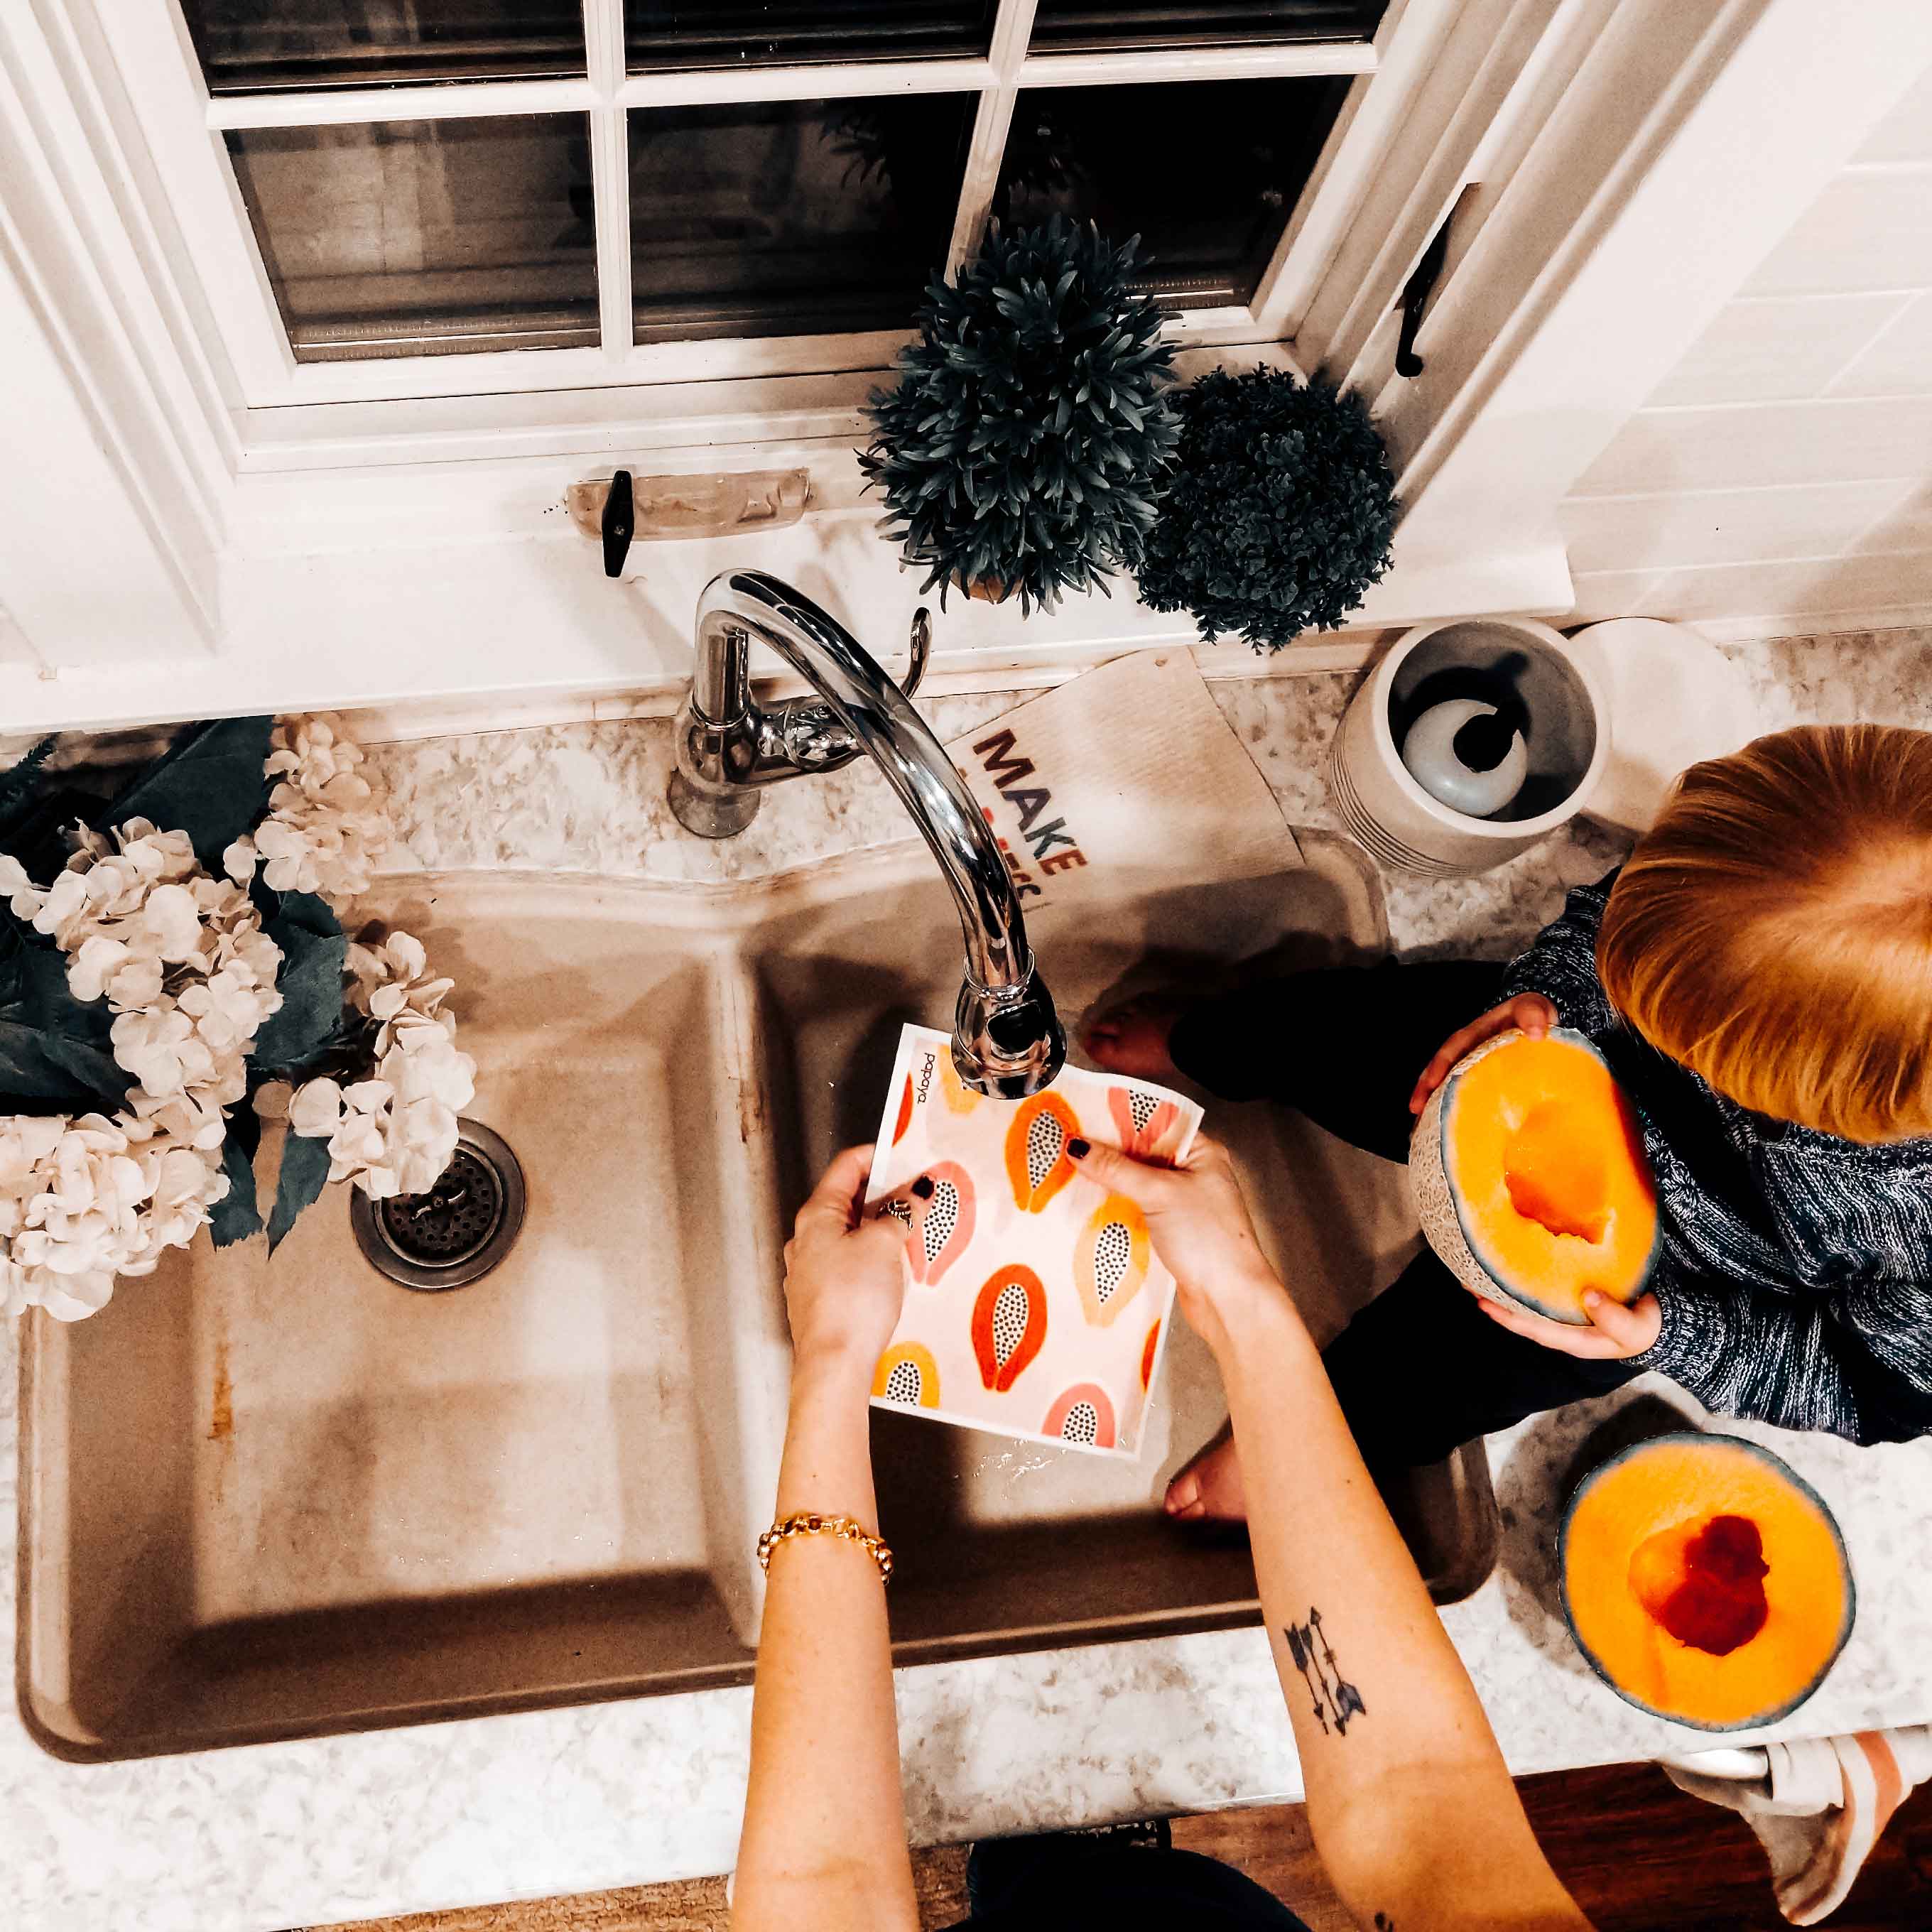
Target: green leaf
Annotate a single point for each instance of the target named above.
(236, 1216)
(209, 784)
(312, 947)
(46, 1073)
(41, 997)
(304, 1174)
(20, 784)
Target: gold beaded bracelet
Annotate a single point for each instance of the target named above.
(806, 1523)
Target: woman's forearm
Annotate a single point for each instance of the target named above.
(1410, 1802)
(824, 1838)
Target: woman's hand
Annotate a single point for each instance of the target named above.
(1531, 1012)
(844, 1274)
(1198, 1224)
(1614, 1331)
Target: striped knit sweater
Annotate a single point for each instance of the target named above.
(1796, 1274)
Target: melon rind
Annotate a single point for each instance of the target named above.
(1441, 1215)
(1786, 1473)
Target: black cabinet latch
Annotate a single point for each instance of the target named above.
(620, 524)
(1415, 294)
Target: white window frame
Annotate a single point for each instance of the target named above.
(184, 125)
(168, 548)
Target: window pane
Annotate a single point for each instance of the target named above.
(425, 237)
(247, 46)
(1206, 172)
(1063, 24)
(791, 217)
(729, 33)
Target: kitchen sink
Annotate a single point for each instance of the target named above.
(269, 1499)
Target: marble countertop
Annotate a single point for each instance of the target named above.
(274, 1836)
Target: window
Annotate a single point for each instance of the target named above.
(399, 198)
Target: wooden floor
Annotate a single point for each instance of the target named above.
(1639, 1855)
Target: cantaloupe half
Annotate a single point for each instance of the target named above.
(1706, 1582)
(1531, 1178)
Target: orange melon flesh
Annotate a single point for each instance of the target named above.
(1547, 1166)
(1632, 1590)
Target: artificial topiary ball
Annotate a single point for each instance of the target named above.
(1018, 451)
(1276, 513)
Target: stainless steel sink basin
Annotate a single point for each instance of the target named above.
(262, 1500)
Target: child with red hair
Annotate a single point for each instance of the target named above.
(1759, 977)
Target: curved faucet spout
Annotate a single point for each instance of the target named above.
(1007, 1038)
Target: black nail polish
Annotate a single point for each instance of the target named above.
(1079, 1148)
(923, 1188)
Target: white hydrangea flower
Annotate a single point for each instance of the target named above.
(324, 827)
(394, 1133)
(84, 1200)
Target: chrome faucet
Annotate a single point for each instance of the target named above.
(1007, 1037)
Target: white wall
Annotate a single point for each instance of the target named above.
(1780, 477)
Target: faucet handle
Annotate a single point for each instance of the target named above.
(807, 733)
(919, 651)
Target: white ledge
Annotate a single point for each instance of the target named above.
(530, 626)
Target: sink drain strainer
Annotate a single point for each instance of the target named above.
(457, 1231)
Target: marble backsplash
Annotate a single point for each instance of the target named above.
(589, 797)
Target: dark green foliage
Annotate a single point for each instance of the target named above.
(1019, 449)
(209, 784)
(310, 984)
(1276, 513)
(304, 1173)
(46, 1073)
(235, 1217)
(18, 784)
(38, 809)
(54, 1055)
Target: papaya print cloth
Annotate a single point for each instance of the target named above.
(1035, 1305)
(1796, 1274)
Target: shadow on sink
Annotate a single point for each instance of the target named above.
(267, 1501)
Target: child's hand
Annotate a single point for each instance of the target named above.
(1530, 1011)
(1615, 1331)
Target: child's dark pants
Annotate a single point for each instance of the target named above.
(1421, 1368)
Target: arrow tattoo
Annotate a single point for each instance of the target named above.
(1334, 1698)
